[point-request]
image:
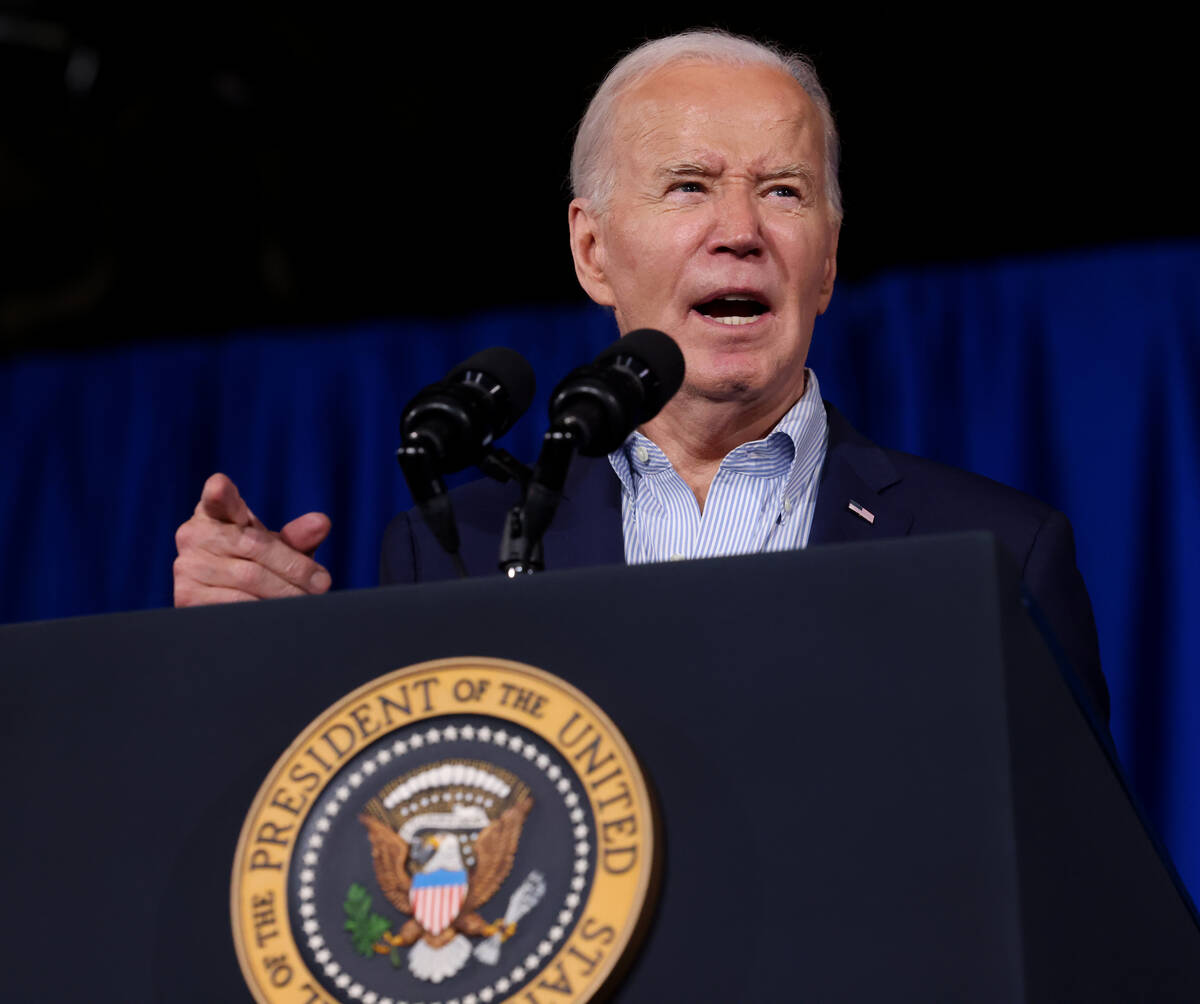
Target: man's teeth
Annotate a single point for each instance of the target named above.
(728, 309)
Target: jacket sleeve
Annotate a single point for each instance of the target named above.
(1054, 580)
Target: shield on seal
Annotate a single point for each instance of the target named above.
(437, 897)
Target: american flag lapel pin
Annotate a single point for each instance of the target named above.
(859, 510)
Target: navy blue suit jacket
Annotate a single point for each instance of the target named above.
(906, 494)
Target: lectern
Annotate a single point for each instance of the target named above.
(873, 781)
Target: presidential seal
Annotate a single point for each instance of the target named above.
(464, 831)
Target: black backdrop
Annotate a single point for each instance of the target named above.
(227, 166)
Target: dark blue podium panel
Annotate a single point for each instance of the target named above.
(873, 781)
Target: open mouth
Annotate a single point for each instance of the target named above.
(733, 309)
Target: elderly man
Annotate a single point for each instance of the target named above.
(707, 206)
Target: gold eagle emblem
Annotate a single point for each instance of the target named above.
(443, 841)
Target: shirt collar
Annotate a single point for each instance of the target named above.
(795, 446)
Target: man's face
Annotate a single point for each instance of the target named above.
(718, 231)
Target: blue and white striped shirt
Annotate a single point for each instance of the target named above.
(761, 499)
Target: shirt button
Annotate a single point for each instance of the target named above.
(642, 454)
(677, 556)
(787, 505)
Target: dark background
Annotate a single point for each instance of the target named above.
(222, 167)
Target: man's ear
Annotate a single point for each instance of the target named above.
(587, 248)
(830, 269)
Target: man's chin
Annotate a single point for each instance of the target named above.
(723, 389)
(746, 387)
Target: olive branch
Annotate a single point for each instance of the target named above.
(366, 927)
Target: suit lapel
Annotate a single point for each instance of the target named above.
(858, 471)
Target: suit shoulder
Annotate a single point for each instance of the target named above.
(939, 497)
(948, 498)
(483, 502)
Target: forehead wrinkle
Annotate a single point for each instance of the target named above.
(635, 131)
(688, 141)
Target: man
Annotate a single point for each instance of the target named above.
(707, 206)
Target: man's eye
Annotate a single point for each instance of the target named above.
(688, 187)
(784, 192)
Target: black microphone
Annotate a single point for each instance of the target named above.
(592, 411)
(456, 419)
(451, 424)
(627, 384)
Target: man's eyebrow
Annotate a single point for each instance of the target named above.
(685, 167)
(789, 171)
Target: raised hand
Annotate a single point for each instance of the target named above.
(226, 555)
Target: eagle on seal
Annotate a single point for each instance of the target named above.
(440, 876)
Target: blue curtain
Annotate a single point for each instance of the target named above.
(1075, 378)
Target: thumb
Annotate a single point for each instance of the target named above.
(306, 532)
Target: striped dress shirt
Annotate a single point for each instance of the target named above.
(761, 499)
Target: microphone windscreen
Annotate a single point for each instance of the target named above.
(660, 356)
(506, 367)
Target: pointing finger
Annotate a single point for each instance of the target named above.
(221, 501)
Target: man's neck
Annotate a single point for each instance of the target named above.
(696, 434)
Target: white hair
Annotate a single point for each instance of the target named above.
(593, 172)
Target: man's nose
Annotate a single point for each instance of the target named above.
(737, 228)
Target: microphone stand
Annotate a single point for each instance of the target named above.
(502, 466)
(429, 492)
(521, 542)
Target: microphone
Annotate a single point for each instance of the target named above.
(592, 410)
(627, 384)
(456, 419)
(451, 424)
